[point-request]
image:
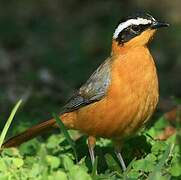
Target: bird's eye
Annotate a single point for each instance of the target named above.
(135, 29)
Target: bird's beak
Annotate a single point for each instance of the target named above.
(157, 25)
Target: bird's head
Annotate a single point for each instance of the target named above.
(136, 30)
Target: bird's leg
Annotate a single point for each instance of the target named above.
(117, 146)
(91, 145)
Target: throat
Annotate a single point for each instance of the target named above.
(118, 49)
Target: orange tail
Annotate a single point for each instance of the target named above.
(30, 133)
(67, 118)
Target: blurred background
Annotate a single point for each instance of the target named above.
(49, 48)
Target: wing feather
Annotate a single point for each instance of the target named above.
(93, 90)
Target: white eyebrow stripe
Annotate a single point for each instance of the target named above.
(129, 22)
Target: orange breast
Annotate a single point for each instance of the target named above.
(129, 102)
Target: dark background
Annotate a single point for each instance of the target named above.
(49, 48)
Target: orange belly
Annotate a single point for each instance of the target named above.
(129, 102)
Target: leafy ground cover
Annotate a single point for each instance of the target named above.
(56, 158)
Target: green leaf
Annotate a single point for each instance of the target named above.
(54, 141)
(35, 170)
(29, 148)
(78, 173)
(175, 169)
(8, 123)
(156, 174)
(4, 176)
(151, 158)
(3, 166)
(158, 147)
(17, 162)
(67, 162)
(161, 123)
(112, 164)
(133, 174)
(12, 152)
(144, 165)
(53, 161)
(59, 175)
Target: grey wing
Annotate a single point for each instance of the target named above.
(93, 90)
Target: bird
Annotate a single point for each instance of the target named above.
(119, 97)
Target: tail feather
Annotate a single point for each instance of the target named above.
(30, 133)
